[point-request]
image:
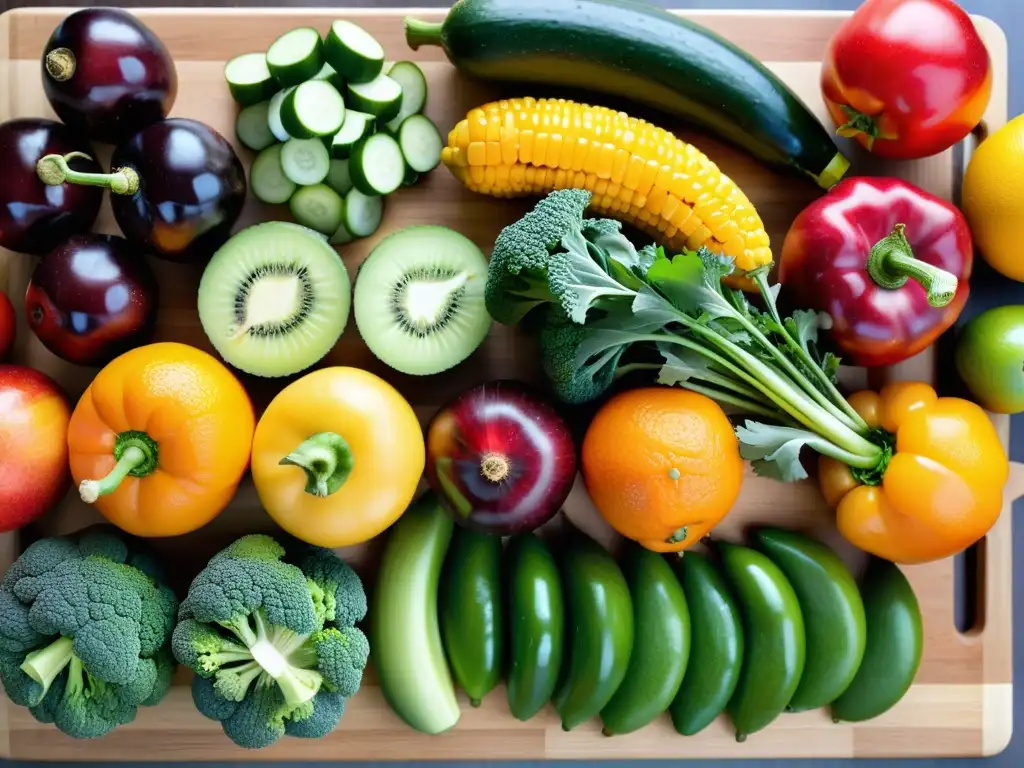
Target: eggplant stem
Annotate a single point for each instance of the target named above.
(53, 170)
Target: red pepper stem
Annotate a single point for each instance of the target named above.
(892, 262)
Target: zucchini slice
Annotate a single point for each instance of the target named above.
(312, 109)
(249, 79)
(381, 97)
(353, 52)
(377, 165)
(296, 56)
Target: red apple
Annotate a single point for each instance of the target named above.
(34, 416)
(7, 326)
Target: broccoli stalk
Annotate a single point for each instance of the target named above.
(44, 665)
(269, 649)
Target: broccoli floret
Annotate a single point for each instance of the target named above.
(270, 636)
(84, 635)
(203, 649)
(337, 590)
(545, 258)
(326, 713)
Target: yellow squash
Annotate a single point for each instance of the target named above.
(638, 173)
(337, 456)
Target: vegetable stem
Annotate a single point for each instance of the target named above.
(91, 490)
(892, 262)
(44, 665)
(327, 461)
(747, 406)
(419, 32)
(54, 171)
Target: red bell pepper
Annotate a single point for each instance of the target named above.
(907, 78)
(887, 260)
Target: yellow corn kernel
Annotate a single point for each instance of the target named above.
(635, 171)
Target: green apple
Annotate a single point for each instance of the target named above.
(990, 358)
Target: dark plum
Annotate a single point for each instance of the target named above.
(178, 188)
(92, 298)
(500, 458)
(107, 75)
(34, 216)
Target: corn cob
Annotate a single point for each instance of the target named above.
(637, 172)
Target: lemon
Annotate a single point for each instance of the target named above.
(992, 199)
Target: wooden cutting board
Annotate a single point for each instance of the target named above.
(961, 703)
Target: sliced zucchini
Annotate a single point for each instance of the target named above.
(357, 125)
(353, 52)
(341, 236)
(338, 177)
(274, 115)
(318, 207)
(249, 79)
(414, 92)
(253, 128)
(381, 97)
(363, 213)
(328, 74)
(377, 165)
(421, 143)
(296, 56)
(312, 109)
(305, 161)
(267, 179)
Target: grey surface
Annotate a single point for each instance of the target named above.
(988, 289)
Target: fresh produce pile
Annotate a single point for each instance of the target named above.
(646, 282)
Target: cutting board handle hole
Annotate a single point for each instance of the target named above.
(969, 589)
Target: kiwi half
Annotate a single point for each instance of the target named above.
(274, 299)
(419, 299)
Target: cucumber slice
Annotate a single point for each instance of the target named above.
(267, 179)
(341, 236)
(363, 213)
(252, 127)
(296, 56)
(338, 177)
(353, 52)
(377, 165)
(414, 92)
(421, 143)
(357, 126)
(328, 74)
(312, 109)
(381, 97)
(318, 207)
(249, 79)
(274, 115)
(305, 161)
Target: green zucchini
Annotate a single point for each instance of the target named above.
(640, 52)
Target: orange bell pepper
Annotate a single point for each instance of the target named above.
(942, 488)
(160, 439)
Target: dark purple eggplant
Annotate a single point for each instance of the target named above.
(107, 75)
(178, 188)
(34, 216)
(92, 298)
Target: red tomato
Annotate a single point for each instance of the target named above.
(34, 474)
(907, 78)
(7, 326)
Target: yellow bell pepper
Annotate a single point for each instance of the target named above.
(337, 457)
(942, 488)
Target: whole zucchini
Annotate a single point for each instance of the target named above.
(638, 51)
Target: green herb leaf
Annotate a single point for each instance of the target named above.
(681, 365)
(774, 451)
(579, 282)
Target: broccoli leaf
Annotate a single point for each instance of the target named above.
(579, 282)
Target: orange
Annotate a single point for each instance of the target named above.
(991, 199)
(662, 466)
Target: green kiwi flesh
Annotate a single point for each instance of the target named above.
(419, 299)
(274, 299)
